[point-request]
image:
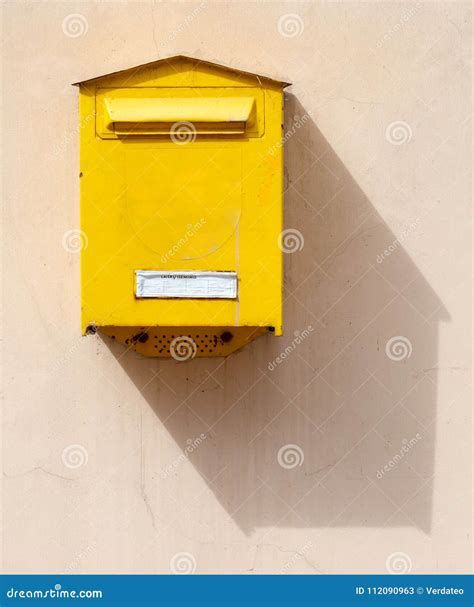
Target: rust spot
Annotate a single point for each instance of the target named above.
(140, 337)
(91, 330)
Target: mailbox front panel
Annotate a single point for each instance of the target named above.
(181, 180)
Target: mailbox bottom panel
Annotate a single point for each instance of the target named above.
(183, 343)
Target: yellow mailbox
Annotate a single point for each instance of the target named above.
(181, 207)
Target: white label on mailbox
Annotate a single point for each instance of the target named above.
(188, 285)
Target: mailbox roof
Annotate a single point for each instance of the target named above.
(174, 57)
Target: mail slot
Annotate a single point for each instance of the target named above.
(181, 207)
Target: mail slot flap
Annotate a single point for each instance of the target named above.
(144, 112)
(178, 109)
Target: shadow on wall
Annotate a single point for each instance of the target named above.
(339, 430)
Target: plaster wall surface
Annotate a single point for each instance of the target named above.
(342, 447)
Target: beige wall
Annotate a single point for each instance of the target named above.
(94, 474)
